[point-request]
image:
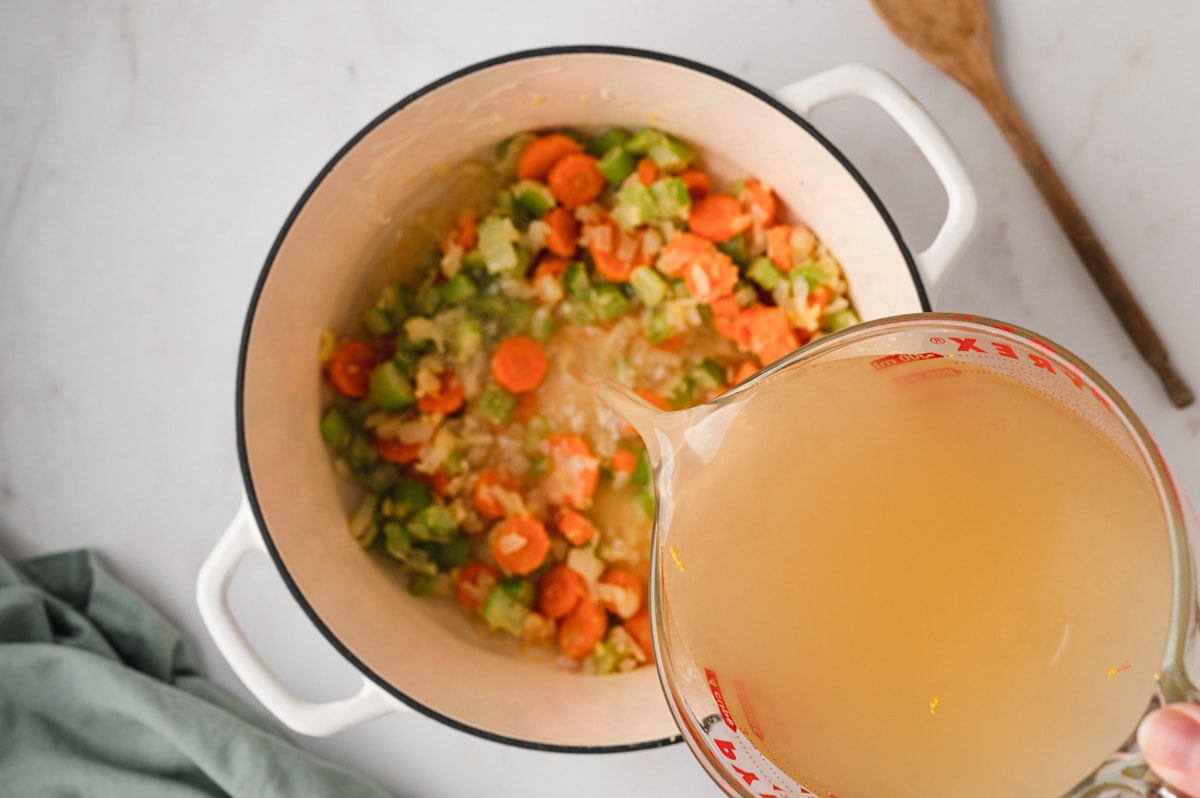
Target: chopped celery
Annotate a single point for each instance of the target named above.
(764, 272)
(736, 249)
(670, 197)
(509, 150)
(502, 611)
(377, 321)
(428, 300)
(396, 540)
(616, 165)
(433, 523)
(609, 302)
(539, 466)
(541, 324)
(578, 312)
(453, 554)
(839, 319)
(497, 237)
(649, 285)
(604, 657)
(815, 273)
(745, 294)
(534, 197)
(335, 429)
(707, 375)
(645, 500)
(641, 142)
(670, 155)
(682, 394)
(523, 590)
(642, 472)
(419, 560)
(454, 464)
(472, 261)
(360, 454)
(623, 371)
(736, 189)
(487, 307)
(537, 429)
(380, 478)
(409, 496)
(635, 206)
(362, 521)
(516, 317)
(576, 281)
(458, 289)
(423, 584)
(656, 326)
(467, 339)
(390, 389)
(613, 137)
(496, 405)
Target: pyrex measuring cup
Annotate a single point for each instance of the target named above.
(723, 714)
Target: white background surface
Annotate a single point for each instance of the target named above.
(149, 153)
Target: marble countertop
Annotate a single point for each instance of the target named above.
(149, 153)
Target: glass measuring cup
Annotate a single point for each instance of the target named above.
(913, 731)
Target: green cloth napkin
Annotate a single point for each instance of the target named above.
(100, 696)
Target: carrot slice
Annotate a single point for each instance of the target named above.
(397, 452)
(603, 247)
(681, 250)
(519, 364)
(710, 276)
(575, 527)
(520, 545)
(760, 203)
(560, 590)
(779, 246)
(474, 582)
(771, 333)
(350, 367)
(624, 461)
(575, 179)
(819, 296)
(448, 398)
(745, 370)
(697, 183)
(527, 406)
(717, 217)
(639, 629)
(574, 472)
(582, 629)
(552, 267)
(439, 481)
(539, 155)
(624, 580)
(724, 307)
(464, 234)
(564, 231)
(647, 171)
(484, 492)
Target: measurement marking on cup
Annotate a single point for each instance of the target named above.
(1124, 667)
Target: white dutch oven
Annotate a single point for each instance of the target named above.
(421, 654)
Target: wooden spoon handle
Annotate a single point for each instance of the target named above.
(1083, 239)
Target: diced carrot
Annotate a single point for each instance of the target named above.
(603, 249)
(647, 171)
(464, 234)
(520, 545)
(639, 629)
(745, 370)
(564, 231)
(760, 203)
(779, 246)
(483, 492)
(624, 580)
(724, 307)
(734, 328)
(552, 267)
(673, 344)
(439, 481)
(574, 472)
(771, 334)
(575, 527)
(624, 461)
(717, 217)
(539, 155)
(474, 582)
(575, 179)
(819, 296)
(582, 629)
(350, 367)
(655, 400)
(560, 590)
(681, 250)
(527, 406)
(397, 452)
(519, 364)
(449, 396)
(710, 276)
(698, 184)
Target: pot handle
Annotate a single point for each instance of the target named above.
(869, 83)
(306, 717)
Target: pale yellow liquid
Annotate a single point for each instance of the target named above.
(950, 587)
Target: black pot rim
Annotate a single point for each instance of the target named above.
(248, 477)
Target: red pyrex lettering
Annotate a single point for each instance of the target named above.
(715, 686)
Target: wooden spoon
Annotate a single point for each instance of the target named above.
(956, 37)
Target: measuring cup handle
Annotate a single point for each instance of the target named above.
(869, 83)
(306, 717)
